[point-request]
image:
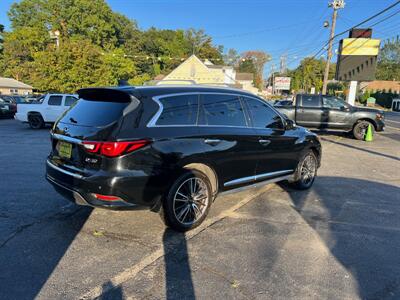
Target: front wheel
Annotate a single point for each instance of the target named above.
(187, 202)
(306, 171)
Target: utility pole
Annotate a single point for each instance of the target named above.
(283, 64)
(273, 78)
(335, 4)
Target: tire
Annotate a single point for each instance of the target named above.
(305, 172)
(360, 128)
(36, 121)
(180, 211)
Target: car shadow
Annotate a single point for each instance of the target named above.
(360, 228)
(178, 277)
(361, 149)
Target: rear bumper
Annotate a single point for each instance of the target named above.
(21, 117)
(81, 190)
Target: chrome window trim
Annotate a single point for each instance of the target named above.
(63, 171)
(256, 177)
(153, 120)
(66, 138)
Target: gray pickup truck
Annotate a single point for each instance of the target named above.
(329, 112)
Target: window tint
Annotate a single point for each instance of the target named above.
(94, 113)
(333, 102)
(55, 100)
(179, 110)
(310, 101)
(262, 116)
(224, 110)
(69, 100)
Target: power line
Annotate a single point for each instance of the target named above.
(262, 30)
(361, 23)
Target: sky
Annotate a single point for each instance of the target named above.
(278, 27)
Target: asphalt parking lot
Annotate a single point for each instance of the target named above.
(338, 240)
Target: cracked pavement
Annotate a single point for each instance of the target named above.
(338, 240)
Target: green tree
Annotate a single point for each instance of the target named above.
(388, 67)
(310, 74)
(79, 64)
(91, 19)
(96, 46)
(258, 60)
(232, 58)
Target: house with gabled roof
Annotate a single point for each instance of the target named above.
(195, 71)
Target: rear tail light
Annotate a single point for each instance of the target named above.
(107, 198)
(114, 149)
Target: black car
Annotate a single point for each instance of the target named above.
(332, 113)
(172, 149)
(14, 99)
(7, 108)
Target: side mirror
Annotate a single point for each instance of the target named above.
(344, 108)
(290, 124)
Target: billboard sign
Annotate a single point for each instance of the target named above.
(357, 59)
(282, 83)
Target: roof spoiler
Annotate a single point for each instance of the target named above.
(105, 94)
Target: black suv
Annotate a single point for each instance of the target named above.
(172, 149)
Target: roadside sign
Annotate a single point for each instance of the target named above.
(282, 83)
(357, 57)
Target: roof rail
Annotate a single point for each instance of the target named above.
(169, 81)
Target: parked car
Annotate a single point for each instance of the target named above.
(14, 99)
(7, 108)
(172, 149)
(46, 110)
(329, 112)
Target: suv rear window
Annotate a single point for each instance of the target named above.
(179, 110)
(222, 110)
(94, 113)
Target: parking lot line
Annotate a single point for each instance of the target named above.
(391, 127)
(132, 271)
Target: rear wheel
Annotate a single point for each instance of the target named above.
(306, 171)
(360, 129)
(188, 201)
(36, 121)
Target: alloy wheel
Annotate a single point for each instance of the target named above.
(191, 201)
(308, 170)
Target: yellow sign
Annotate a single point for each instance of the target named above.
(360, 46)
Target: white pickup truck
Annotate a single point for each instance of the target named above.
(46, 109)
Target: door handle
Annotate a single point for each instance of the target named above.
(264, 142)
(212, 142)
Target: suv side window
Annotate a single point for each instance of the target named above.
(55, 100)
(310, 101)
(262, 116)
(179, 110)
(222, 110)
(69, 100)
